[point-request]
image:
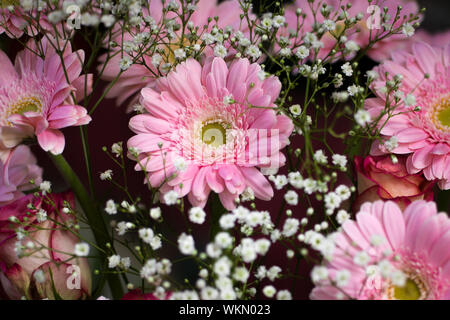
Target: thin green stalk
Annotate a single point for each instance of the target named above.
(92, 214)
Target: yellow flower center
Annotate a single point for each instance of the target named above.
(440, 114)
(414, 289)
(214, 134)
(29, 104)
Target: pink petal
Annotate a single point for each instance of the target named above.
(258, 183)
(394, 224)
(51, 140)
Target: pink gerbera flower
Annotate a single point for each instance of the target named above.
(139, 76)
(16, 172)
(387, 254)
(200, 134)
(361, 33)
(36, 98)
(15, 20)
(421, 124)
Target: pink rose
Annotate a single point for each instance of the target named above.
(38, 262)
(380, 178)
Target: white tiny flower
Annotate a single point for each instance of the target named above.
(227, 221)
(332, 200)
(209, 293)
(171, 197)
(81, 249)
(156, 60)
(343, 192)
(361, 258)
(107, 175)
(254, 52)
(280, 181)
(125, 63)
(278, 21)
(146, 234)
(125, 263)
(186, 244)
(222, 267)
(290, 227)
(262, 246)
(320, 157)
(376, 240)
(353, 90)
(111, 207)
(108, 20)
(318, 274)
(352, 46)
(213, 250)
(408, 30)
(342, 216)
(220, 51)
(113, 261)
(269, 291)
(227, 100)
(347, 69)
(155, 213)
(155, 243)
(284, 295)
(197, 215)
(391, 144)
(223, 240)
(295, 109)
(122, 228)
(273, 273)
(41, 215)
(302, 52)
(342, 278)
(241, 274)
(179, 54)
(362, 117)
(285, 52)
(410, 100)
(39, 276)
(329, 25)
(372, 75)
(291, 198)
(339, 160)
(45, 187)
(398, 278)
(180, 164)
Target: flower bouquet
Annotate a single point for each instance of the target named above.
(223, 150)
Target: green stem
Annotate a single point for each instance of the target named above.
(92, 214)
(217, 210)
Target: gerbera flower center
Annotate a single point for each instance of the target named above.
(414, 289)
(214, 133)
(28, 104)
(441, 114)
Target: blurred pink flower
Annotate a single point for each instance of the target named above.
(420, 127)
(197, 135)
(16, 171)
(379, 51)
(381, 179)
(15, 21)
(139, 76)
(408, 253)
(35, 96)
(441, 39)
(55, 262)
